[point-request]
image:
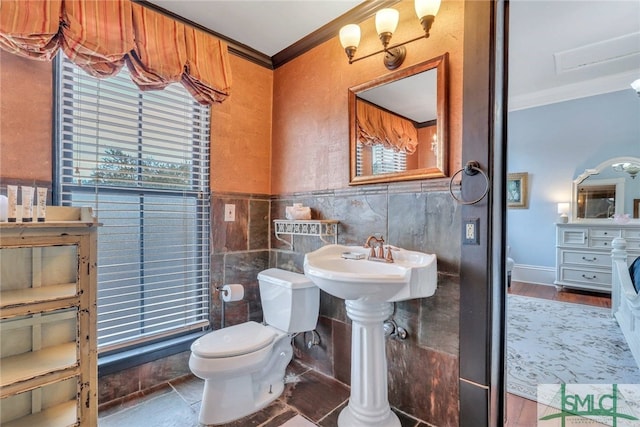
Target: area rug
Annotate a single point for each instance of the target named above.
(552, 342)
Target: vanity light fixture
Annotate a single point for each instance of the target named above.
(629, 167)
(386, 24)
(636, 86)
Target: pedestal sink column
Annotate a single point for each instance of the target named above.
(368, 403)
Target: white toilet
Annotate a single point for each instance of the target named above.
(244, 365)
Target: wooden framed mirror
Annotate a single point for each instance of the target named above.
(398, 128)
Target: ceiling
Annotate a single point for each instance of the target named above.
(558, 49)
(268, 26)
(562, 50)
(270, 32)
(401, 96)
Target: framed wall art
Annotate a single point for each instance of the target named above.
(518, 190)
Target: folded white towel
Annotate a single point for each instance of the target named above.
(297, 211)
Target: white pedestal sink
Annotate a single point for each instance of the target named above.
(369, 288)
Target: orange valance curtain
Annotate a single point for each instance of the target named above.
(160, 53)
(203, 65)
(30, 28)
(96, 35)
(376, 126)
(100, 36)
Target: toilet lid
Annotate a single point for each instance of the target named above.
(233, 341)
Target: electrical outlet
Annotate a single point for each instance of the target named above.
(470, 229)
(229, 212)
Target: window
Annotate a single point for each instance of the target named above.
(383, 160)
(141, 160)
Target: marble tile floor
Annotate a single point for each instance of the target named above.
(309, 399)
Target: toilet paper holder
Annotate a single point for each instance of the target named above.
(231, 292)
(224, 291)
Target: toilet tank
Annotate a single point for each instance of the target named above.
(290, 301)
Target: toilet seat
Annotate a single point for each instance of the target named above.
(233, 341)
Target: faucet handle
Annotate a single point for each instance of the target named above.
(389, 256)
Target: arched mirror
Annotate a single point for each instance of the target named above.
(611, 188)
(398, 125)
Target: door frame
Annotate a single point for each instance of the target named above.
(482, 266)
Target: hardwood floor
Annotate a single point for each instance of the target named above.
(522, 412)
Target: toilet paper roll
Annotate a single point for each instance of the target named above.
(232, 293)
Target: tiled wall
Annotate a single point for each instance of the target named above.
(420, 216)
(423, 369)
(139, 380)
(240, 251)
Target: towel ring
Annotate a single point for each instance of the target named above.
(470, 169)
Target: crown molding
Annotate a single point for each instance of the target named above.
(357, 14)
(328, 31)
(235, 47)
(583, 89)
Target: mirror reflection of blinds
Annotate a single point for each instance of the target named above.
(141, 160)
(383, 160)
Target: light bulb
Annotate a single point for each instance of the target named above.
(350, 36)
(426, 8)
(387, 20)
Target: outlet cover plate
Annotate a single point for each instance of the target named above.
(229, 212)
(471, 231)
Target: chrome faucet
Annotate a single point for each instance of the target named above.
(379, 244)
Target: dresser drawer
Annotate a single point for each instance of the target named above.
(585, 258)
(584, 276)
(633, 245)
(633, 233)
(605, 232)
(601, 243)
(583, 252)
(572, 237)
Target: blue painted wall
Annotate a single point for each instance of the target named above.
(554, 144)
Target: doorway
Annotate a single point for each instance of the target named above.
(552, 135)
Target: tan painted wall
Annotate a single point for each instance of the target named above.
(241, 132)
(310, 118)
(25, 119)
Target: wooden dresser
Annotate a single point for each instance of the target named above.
(583, 253)
(48, 370)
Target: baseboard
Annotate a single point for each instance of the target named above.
(536, 274)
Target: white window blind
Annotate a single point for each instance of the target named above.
(141, 160)
(383, 160)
